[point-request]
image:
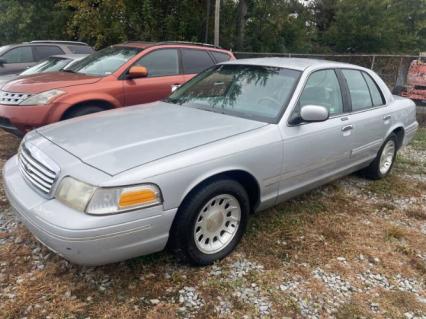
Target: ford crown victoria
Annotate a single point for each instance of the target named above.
(188, 171)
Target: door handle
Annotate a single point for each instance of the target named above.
(347, 128)
(387, 117)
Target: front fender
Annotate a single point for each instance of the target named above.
(72, 99)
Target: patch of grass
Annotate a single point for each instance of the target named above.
(334, 232)
(399, 302)
(394, 185)
(394, 233)
(352, 310)
(419, 141)
(416, 213)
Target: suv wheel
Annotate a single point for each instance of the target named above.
(211, 223)
(383, 163)
(84, 110)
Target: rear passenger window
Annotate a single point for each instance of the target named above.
(358, 89)
(19, 55)
(44, 51)
(161, 62)
(220, 57)
(376, 96)
(195, 61)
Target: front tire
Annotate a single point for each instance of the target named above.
(210, 223)
(84, 110)
(383, 163)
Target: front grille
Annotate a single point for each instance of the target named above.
(420, 87)
(10, 98)
(35, 170)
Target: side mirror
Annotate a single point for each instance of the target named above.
(136, 72)
(2, 61)
(314, 113)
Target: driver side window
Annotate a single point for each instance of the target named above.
(322, 88)
(162, 62)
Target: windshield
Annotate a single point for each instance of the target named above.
(104, 62)
(248, 91)
(52, 64)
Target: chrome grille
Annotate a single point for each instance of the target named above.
(36, 169)
(10, 98)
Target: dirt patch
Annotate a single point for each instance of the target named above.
(351, 249)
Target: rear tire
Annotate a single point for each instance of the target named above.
(383, 163)
(84, 110)
(210, 223)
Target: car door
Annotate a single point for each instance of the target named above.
(163, 73)
(315, 151)
(16, 60)
(368, 119)
(195, 61)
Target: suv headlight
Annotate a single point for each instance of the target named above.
(111, 200)
(42, 98)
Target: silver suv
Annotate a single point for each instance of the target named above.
(15, 58)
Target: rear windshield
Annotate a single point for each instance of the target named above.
(249, 91)
(51, 64)
(104, 62)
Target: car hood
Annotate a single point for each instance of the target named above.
(118, 140)
(37, 83)
(7, 78)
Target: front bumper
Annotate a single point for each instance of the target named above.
(19, 119)
(84, 239)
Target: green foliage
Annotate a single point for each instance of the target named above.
(27, 20)
(379, 26)
(375, 26)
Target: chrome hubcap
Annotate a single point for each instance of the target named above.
(387, 156)
(217, 223)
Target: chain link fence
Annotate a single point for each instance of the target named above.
(393, 69)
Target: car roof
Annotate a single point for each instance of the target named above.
(145, 45)
(300, 64)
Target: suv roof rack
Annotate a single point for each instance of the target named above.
(148, 43)
(191, 43)
(59, 41)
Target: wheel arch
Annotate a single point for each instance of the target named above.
(96, 102)
(246, 179)
(399, 131)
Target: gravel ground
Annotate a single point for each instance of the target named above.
(351, 249)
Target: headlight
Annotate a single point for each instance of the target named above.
(100, 201)
(74, 193)
(42, 98)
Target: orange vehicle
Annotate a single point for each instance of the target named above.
(416, 81)
(117, 76)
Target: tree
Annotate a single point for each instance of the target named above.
(365, 26)
(27, 20)
(99, 22)
(241, 23)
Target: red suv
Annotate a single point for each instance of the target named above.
(120, 75)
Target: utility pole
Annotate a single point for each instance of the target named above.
(216, 22)
(206, 36)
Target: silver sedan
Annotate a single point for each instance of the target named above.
(188, 171)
